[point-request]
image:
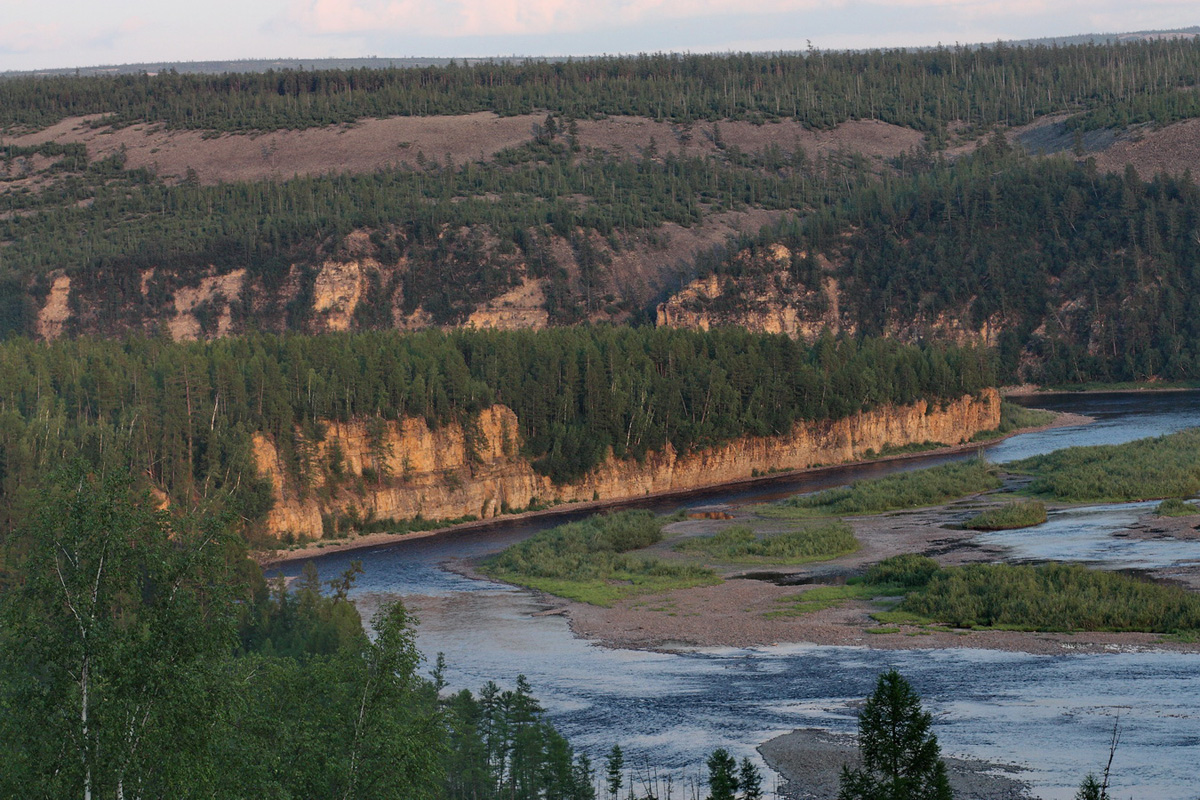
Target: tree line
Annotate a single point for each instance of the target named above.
(924, 89)
(180, 416)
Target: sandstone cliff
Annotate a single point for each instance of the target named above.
(404, 470)
(763, 293)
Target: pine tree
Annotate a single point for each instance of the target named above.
(722, 775)
(750, 780)
(901, 758)
(615, 765)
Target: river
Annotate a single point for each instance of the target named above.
(1050, 716)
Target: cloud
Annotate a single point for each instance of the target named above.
(24, 37)
(462, 18)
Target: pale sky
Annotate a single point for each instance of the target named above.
(42, 34)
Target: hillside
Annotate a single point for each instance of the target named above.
(213, 205)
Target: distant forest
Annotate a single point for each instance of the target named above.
(1089, 276)
(926, 90)
(180, 416)
(1083, 275)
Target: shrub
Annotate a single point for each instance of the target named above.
(908, 570)
(1176, 507)
(924, 487)
(1053, 597)
(739, 543)
(1018, 514)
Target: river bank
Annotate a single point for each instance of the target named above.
(810, 760)
(268, 558)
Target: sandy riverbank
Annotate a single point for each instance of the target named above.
(811, 760)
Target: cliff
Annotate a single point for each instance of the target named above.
(762, 292)
(402, 470)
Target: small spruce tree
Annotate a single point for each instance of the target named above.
(750, 780)
(901, 758)
(616, 763)
(722, 775)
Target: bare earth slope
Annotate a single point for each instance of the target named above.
(373, 144)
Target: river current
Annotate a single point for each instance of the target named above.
(1048, 716)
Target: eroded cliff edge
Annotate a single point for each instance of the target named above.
(404, 470)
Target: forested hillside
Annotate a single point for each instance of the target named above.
(1072, 274)
(928, 90)
(180, 416)
(1072, 271)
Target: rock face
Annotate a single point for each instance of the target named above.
(764, 294)
(402, 470)
(53, 316)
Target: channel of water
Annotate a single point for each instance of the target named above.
(1050, 716)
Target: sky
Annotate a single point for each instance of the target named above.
(43, 34)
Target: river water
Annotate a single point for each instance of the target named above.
(1050, 716)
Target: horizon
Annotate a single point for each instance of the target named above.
(69, 34)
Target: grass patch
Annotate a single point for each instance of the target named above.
(1052, 597)
(821, 597)
(907, 571)
(1015, 417)
(1120, 386)
(905, 449)
(1018, 514)
(924, 487)
(899, 618)
(738, 544)
(1164, 466)
(881, 630)
(1176, 507)
(589, 561)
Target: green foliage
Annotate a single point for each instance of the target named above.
(926, 89)
(908, 570)
(1164, 466)
(914, 489)
(722, 775)
(750, 780)
(1053, 597)
(1018, 514)
(739, 544)
(614, 764)
(142, 656)
(819, 598)
(1091, 789)
(181, 416)
(1084, 272)
(1014, 417)
(900, 755)
(1176, 507)
(589, 560)
(113, 642)
(476, 227)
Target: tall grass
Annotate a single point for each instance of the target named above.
(589, 560)
(1018, 514)
(1014, 417)
(1052, 597)
(739, 544)
(1164, 466)
(925, 487)
(909, 570)
(1176, 507)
